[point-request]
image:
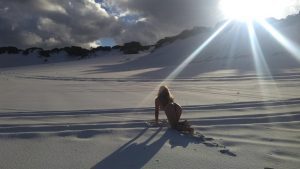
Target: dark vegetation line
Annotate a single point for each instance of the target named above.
(126, 48)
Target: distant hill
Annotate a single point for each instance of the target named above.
(127, 48)
(11, 56)
(183, 35)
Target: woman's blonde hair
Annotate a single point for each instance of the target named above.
(164, 96)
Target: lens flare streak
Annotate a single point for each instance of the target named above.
(288, 44)
(261, 66)
(191, 57)
(259, 59)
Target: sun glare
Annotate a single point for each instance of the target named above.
(245, 10)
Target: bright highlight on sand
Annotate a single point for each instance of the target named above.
(244, 10)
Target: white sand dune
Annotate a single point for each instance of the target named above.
(92, 113)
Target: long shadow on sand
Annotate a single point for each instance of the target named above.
(90, 129)
(134, 155)
(87, 130)
(238, 106)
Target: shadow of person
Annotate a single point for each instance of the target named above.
(135, 155)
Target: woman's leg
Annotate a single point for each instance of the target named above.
(178, 115)
(172, 117)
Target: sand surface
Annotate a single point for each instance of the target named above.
(78, 115)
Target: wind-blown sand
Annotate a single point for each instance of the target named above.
(93, 113)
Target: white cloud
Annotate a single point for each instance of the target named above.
(52, 41)
(52, 7)
(94, 44)
(31, 38)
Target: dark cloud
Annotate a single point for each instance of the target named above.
(54, 23)
(57, 23)
(160, 18)
(176, 12)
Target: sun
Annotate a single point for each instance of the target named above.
(246, 10)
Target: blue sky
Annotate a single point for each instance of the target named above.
(127, 19)
(106, 42)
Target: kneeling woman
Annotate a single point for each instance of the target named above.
(165, 101)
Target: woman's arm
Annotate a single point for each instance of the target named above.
(156, 110)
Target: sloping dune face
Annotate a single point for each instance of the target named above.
(92, 113)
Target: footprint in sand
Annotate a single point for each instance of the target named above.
(228, 152)
(210, 144)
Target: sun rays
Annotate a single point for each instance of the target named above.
(262, 70)
(185, 63)
(290, 46)
(258, 56)
(245, 10)
(261, 67)
(192, 56)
